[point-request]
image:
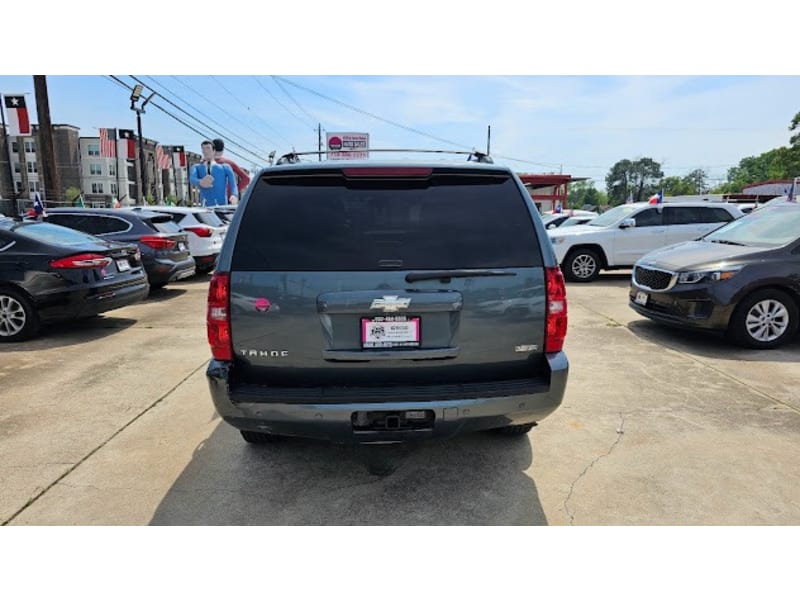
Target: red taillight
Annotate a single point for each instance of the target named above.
(218, 319)
(387, 172)
(556, 329)
(157, 243)
(200, 231)
(81, 261)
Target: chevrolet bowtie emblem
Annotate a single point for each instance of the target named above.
(390, 303)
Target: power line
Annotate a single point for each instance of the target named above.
(195, 118)
(274, 97)
(235, 97)
(285, 91)
(369, 114)
(261, 135)
(181, 121)
(198, 110)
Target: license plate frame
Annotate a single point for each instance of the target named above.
(389, 332)
(123, 265)
(641, 298)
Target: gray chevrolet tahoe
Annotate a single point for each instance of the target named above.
(382, 302)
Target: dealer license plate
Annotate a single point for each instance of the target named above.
(390, 332)
(641, 298)
(123, 264)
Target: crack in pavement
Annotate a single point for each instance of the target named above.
(147, 409)
(620, 433)
(691, 357)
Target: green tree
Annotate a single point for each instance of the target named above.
(675, 186)
(583, 193)
(639, 178)
(697, 182)
(795, 126)
(778, 163)
(71, 195)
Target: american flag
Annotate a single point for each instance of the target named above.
(162, 158)
(108, 143)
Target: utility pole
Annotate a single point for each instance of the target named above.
(319, 141)
(488, 140)
(23, 169)
(7, 139)
(46, 152)
(141, 174)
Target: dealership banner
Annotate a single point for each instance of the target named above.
(348, 145)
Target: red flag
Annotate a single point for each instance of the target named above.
(108, 142)
(179, 156)
(162, 158)
(18, 121)
(130, 149)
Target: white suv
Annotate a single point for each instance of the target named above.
(621, 236)
(206, 232)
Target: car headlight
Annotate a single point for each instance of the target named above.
(722, 274)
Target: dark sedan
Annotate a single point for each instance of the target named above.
(164, 247)
(51, 273)
(742, 279)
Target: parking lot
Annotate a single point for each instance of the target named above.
(109, 421)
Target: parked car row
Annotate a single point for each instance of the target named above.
(742, 279)
(77, 262)
(51, 273)
(698, 265)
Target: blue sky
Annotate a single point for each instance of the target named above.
(581, 124)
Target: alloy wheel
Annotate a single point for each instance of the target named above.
(12, 316)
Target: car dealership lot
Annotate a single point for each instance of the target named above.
(109, 421)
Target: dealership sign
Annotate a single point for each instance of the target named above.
(348, 145)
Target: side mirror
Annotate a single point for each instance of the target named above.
(552, 226)
(627, 223)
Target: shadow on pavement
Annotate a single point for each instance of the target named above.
(68, 333)
(476, 479)
(710, 345)
(163, 294)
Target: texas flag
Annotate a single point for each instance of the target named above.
(38, 205)
(179, 156)
(18, 121)
(657, 198)
(128, 144)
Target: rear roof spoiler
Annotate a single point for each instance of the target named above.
(472, 156)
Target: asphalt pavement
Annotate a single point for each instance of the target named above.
(108, 421)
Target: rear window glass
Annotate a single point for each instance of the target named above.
(164, 226)
(209, 218)
(326, 223)
(55, 234)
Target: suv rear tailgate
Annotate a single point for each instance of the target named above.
(396, 280)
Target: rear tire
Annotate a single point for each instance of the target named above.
(582, 265)
(18, 319)
(514, 430)
(258, 437)
(764, 320)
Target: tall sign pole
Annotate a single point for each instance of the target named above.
(46, 152)
(7, 139)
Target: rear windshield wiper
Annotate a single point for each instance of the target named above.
(447, 275)
(729, 242)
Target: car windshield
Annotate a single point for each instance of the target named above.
(613, 216)
(49, 233)
(773, 227)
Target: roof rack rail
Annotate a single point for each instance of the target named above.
(472, 156)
